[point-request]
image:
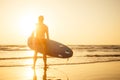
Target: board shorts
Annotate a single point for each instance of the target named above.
(42, 44)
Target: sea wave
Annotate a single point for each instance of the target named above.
(31, 57)
(13, 48)
(58, 64)
(12, 58)
(94, 48)
(110, 55)
(89, 48)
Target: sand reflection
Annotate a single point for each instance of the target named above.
(34, 76)
(49, 74)
(44, 77)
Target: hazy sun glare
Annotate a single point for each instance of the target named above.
(79, 22)
(27, 24)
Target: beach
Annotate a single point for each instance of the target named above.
(90, 62)
(92, 71)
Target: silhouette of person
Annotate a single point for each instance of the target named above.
(41, 33)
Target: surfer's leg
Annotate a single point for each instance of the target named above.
(44, 57)
(43, 46)
(45, 60)
(34, 58)
(44, 54)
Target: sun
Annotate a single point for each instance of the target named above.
(27, 25)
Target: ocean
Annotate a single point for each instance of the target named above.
(22, 56)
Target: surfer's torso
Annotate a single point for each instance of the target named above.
(41, 30)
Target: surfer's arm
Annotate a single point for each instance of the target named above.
(47, 33)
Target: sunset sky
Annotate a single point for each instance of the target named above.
(69, 21)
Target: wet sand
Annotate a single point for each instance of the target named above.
(93, 71)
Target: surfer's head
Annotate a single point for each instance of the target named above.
(40, 19)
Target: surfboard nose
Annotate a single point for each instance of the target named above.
(68, 53)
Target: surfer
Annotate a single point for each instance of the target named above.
(41, 33)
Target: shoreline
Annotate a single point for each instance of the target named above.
(61, 64)
(93, 71)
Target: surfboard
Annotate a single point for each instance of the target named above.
(54, 48)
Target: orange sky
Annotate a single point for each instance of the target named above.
(69, 21)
